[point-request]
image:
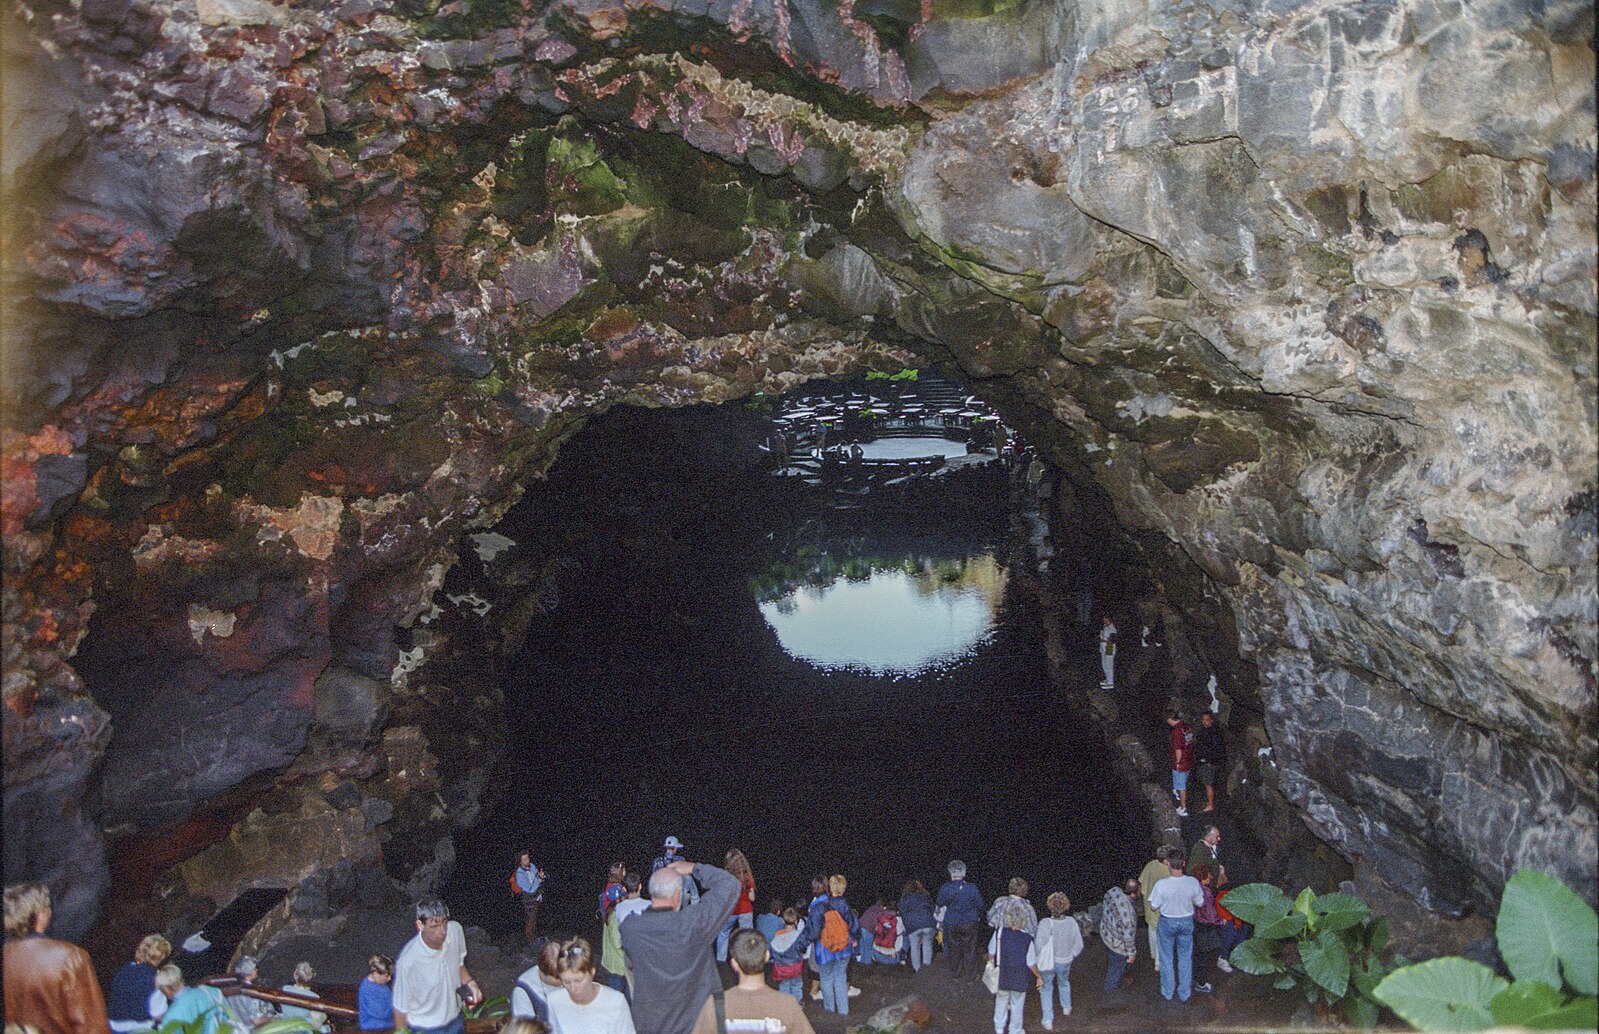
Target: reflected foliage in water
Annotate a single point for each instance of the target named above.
(883, 613)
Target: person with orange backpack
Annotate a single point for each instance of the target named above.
(832, 931)
(527, 886)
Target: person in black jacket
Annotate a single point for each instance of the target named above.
(1210, 756)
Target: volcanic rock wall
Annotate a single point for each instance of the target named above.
(302, 293)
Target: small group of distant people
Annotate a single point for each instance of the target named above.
(1204, 749)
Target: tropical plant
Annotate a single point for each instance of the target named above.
(1549, 941)
(1328, 945)
(288, 1025)
(194, 1026)
(499, 1005)
(198, 1025)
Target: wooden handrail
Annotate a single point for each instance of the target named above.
(279, 997)
(486, 1025)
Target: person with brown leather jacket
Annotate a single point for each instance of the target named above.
(49, 984)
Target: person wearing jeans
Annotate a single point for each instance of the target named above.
(832, 963)
(835, 986)
(1176, 942)
(743, 917)
(1060, 940)
(920, 943)
(1118, 930)
(1176, 898)
(1115, 969)
(736, 921)
(916, 912)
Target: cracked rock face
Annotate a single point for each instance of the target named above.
(1304, 292)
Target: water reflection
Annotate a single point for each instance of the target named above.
(911, 448)
(883, 614)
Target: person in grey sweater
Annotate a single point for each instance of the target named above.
(669, 947)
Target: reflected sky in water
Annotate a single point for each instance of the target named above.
(911, 448)
(900, 619)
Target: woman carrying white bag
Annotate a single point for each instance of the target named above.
(1059, 941)
(1011, 957)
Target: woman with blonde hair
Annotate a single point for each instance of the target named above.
(1012, 950)
(522, 1025)
(743, 917)
(135, 1004)
(583, 1005)
(832, 931)
(188, 1004)
(1058, 942)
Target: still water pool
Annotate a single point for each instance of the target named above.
(911, 448)
(661, 689)
(903, 617)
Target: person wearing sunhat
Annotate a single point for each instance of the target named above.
(673, 851)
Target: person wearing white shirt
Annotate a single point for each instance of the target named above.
(583, 1005)
(430, 967)
(1107, 652)
(530, 995)
(1059, 941)
(628, 907)
(1176, 898)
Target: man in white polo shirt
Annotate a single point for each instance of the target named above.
(1176, 897)
(430, 967)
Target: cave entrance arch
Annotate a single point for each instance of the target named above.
(646, 695)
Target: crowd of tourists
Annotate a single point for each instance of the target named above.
(655, 970)
(662, 938)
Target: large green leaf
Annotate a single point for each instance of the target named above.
(1327, 961)
(1367, 975)
(1448, 994)
(1535, 1005)
(194, 1026)
(1544, 929)
(1524, 1000)
(1580, 1014)
(1257, 957)
(1258, 903)
(1289, 925)
(1339, 911)
(1304, 905)
(1360, 1012)
(288, 1025)
(1377, 935)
